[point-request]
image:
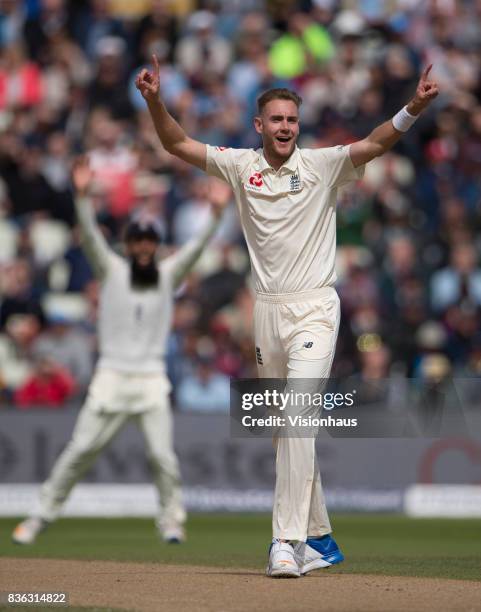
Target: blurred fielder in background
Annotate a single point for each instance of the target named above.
(287, 204)
(135, 310)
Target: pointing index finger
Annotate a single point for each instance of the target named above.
(156, 64)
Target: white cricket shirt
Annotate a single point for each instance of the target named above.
(133, 324)
(289, 215)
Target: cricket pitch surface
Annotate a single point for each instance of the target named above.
(150, 587)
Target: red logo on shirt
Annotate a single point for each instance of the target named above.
(256, 179)
(221, 148)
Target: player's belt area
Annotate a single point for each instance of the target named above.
(300, 296)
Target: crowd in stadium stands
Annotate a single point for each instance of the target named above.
(409, 251)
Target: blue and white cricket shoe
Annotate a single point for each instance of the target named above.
(317, 553)
(282, 562)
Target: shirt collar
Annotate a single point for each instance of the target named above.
(291, 164)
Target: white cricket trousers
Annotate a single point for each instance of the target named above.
(295, 337)
(113, 399)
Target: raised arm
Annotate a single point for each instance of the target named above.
(181, 262)
(172, 136)
(385, 136)
(93, 241)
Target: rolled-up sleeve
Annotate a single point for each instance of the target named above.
(222, 163)
(334, 165)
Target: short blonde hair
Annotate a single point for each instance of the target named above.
(280, 93)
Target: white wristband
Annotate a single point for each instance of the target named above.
(403, 120)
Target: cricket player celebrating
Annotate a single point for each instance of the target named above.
(135, 311)
(286, 198)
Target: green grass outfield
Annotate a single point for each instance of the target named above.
(372, 544)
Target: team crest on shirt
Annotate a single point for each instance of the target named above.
(294, 183)
(255, 182)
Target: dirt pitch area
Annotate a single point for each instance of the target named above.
(157, 588)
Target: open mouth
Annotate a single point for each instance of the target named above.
(283, 139)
